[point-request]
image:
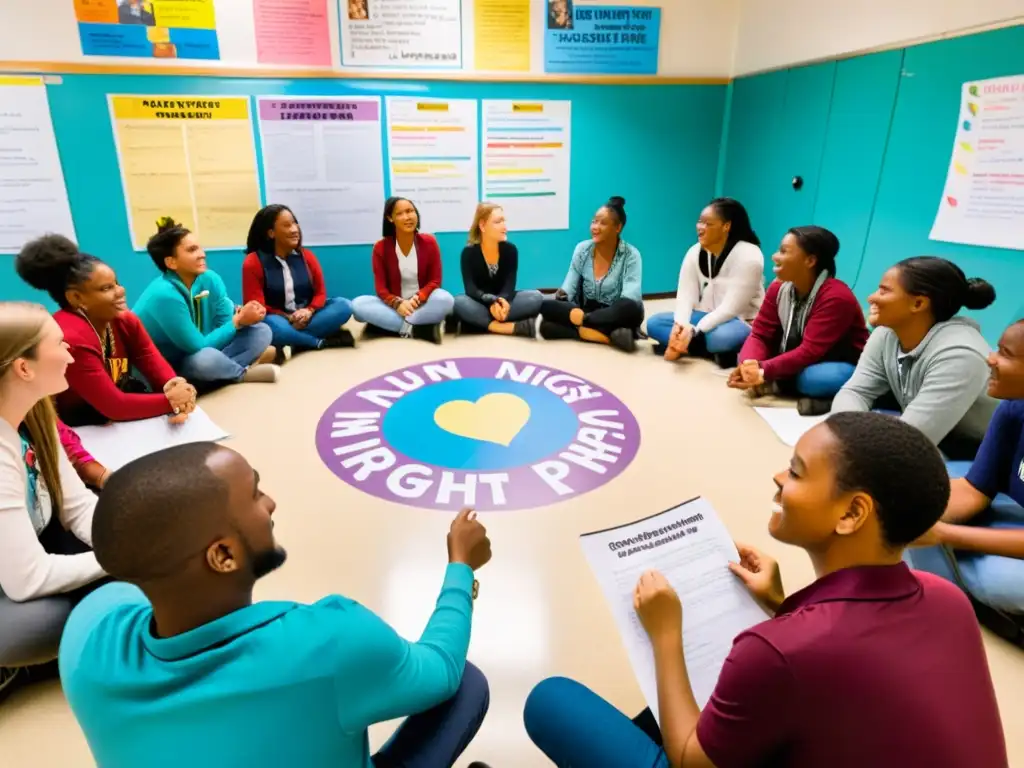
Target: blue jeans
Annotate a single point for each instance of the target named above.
(574, 726)
(524, 305)
(438, 736)
(373, 311)
(228, 364)
(727, 337)
(325, 321)
(993, 580)
(823, 380)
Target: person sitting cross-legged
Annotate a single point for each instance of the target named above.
(159, 670)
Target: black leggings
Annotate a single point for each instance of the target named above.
(603, 318)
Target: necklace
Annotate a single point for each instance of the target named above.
(106, 339)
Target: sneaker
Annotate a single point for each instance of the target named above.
(269, 356)
(433, 332)
(813, 406)
(262, 373)
(341, 338)
(284, 354)
(452, 324)
(526, 328)
(622, 338)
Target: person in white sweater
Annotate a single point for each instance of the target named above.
(721, 286)
(46, 562)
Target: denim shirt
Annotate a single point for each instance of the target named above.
(622, 280)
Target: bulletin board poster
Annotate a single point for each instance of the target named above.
(293, 32)
(501, 35)
(192, 158)
(401, 33)
(322, 157)
(601, 39)
(983, 198)
(160, 29)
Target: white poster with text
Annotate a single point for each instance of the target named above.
(401, 33)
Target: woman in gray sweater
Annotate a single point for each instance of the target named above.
(925, 357)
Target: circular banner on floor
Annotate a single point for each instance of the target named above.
(481, 432)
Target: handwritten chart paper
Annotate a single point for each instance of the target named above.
(432, 149)
(292, 32)
(189, 157)
(526, 161)
(322, 158)
(690, 546)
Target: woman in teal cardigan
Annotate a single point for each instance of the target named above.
(194, 323)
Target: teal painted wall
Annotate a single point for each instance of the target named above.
(657, 146)
(871, 137)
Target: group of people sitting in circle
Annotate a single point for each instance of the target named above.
(155, 564)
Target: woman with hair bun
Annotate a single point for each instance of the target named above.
(108, 342)
(923, 355)
(809, 332)
(600, 299)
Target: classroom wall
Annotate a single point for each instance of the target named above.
(640, 141)
(780, 33)
(871, 137)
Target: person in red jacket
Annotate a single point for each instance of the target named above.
(286, 279)
(107, 341)
(407, 277)
(810, 330)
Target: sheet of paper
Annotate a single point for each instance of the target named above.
(33, 198)
(322, 157)
(161, 29)
(114, 445)
(501, 35)
(295, 32)
(189, 157)
(788, 424)
(983, 200)
(401, 33)
(432, 149)
(691, 547)
(526, 161)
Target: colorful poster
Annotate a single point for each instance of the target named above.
(983, 200)
(432, 152)
(162, 29)
(601, 39)
(401, 33)
(292, 32)
(33, 198)
(189, 157)
(322, 158)
(526, 161)
(501, 35)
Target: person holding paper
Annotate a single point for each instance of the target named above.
(720, 288)
(181, 648)
(107, 341)
(810, 330)
(193, 322)
(979, 543)
(46, 512)
(600, 299)
(490, 264)
(409, 298)
(924, 359)
(871, 665)
(286, 280)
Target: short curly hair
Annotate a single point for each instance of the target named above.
(897, 466)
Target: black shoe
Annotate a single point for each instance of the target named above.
(478, 764)
(813, 406)
(555, 331)
(339, 339)
(434, 332)
(452, 324)
(526, 328)
(622, 338)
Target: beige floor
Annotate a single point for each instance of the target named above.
(540, 611)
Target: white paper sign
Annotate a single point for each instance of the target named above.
(788, 424)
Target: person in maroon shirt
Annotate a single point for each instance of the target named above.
(810, 330)
(871, 665)
(106, 340)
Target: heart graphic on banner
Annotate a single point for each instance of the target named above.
(494, 418)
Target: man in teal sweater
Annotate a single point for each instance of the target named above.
(178, 666)
(192, 320)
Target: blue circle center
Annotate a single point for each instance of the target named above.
(409, 426)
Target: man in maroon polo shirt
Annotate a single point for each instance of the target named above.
(871, 665)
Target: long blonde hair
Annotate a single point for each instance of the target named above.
(483, 213)
(21, 329)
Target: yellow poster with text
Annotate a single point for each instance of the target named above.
(501, 39)
(189, 157)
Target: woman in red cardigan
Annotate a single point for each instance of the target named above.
(107, 341)
(407, 276)
(285, 278)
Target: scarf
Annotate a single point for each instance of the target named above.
(794, 312)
